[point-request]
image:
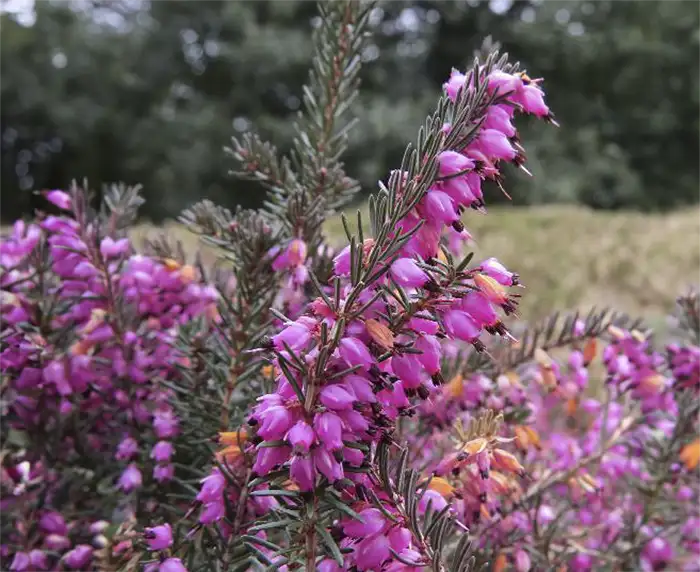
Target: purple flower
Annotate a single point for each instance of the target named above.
(127, 449)
(20, 563)
(59, 198)
(158, 537)
(461, 325)
(172, 565)
(53, 523)
(408, 274)
(301, 471)
(212, 487)
(163, 473)
(337, 397)
(78, 558)
(355, 353)
(301, 436)
(162, 451)
(130, 479)
(373, 522)
(329, 427)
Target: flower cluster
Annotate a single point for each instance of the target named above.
(89, 332)
(588, 467)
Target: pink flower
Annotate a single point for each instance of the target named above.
(499, 117)
(213, 512)
(301, 436)
(163, 473)
(373, 522)
(461, 325)
(501, 83)
(326, 464)
(371, 552)
(495, 145)
(293, 255)
(296, 335)
(361, 387)
(20, 563)
(130, 479)
(408, 274)
(301, 471)
(354, 352)
(452, 163)
(337, 397)
(453, 86)
(522, 561)
(268, 458)
(531, 98)
(328, 427)
(159, 537)
(437, 206)
(78, 558)
(493, 268)
(162, 451)
(430, 358)
(53, 522)
(408, 368)
(59, 198)
(212, 487)
(275, 422)
(172, 565)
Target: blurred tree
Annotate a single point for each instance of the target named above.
(151, 92)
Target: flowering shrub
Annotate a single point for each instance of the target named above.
(297, 407)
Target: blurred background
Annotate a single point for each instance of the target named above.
(151, 92)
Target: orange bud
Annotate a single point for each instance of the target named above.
(525, 437)
(652, 383)
(506, 461)
(229, 454)
(690, 454)
(171, 264)
(548, 380)
(637, 335)
(455, 386)
(80, 348)
(571, 406)
(590, 350)
(521, 438)
(501, 484)
(501, 563)
(513, 377)
(542, 358)
(380, 333)
(484, 512)
(440, 485)
(233, 437)
(475, 446)
(491, 289)
(188, 273)
(267, 370)
(290, 485)
(588, 483)
(212, 312)
(616, 332)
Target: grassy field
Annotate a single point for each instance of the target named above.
(572, 257)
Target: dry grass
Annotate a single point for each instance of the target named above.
(572, 257)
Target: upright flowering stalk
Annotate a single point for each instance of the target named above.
(369, 346)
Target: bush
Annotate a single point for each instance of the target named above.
(292, 407)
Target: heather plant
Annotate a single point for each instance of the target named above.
(295, 406)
